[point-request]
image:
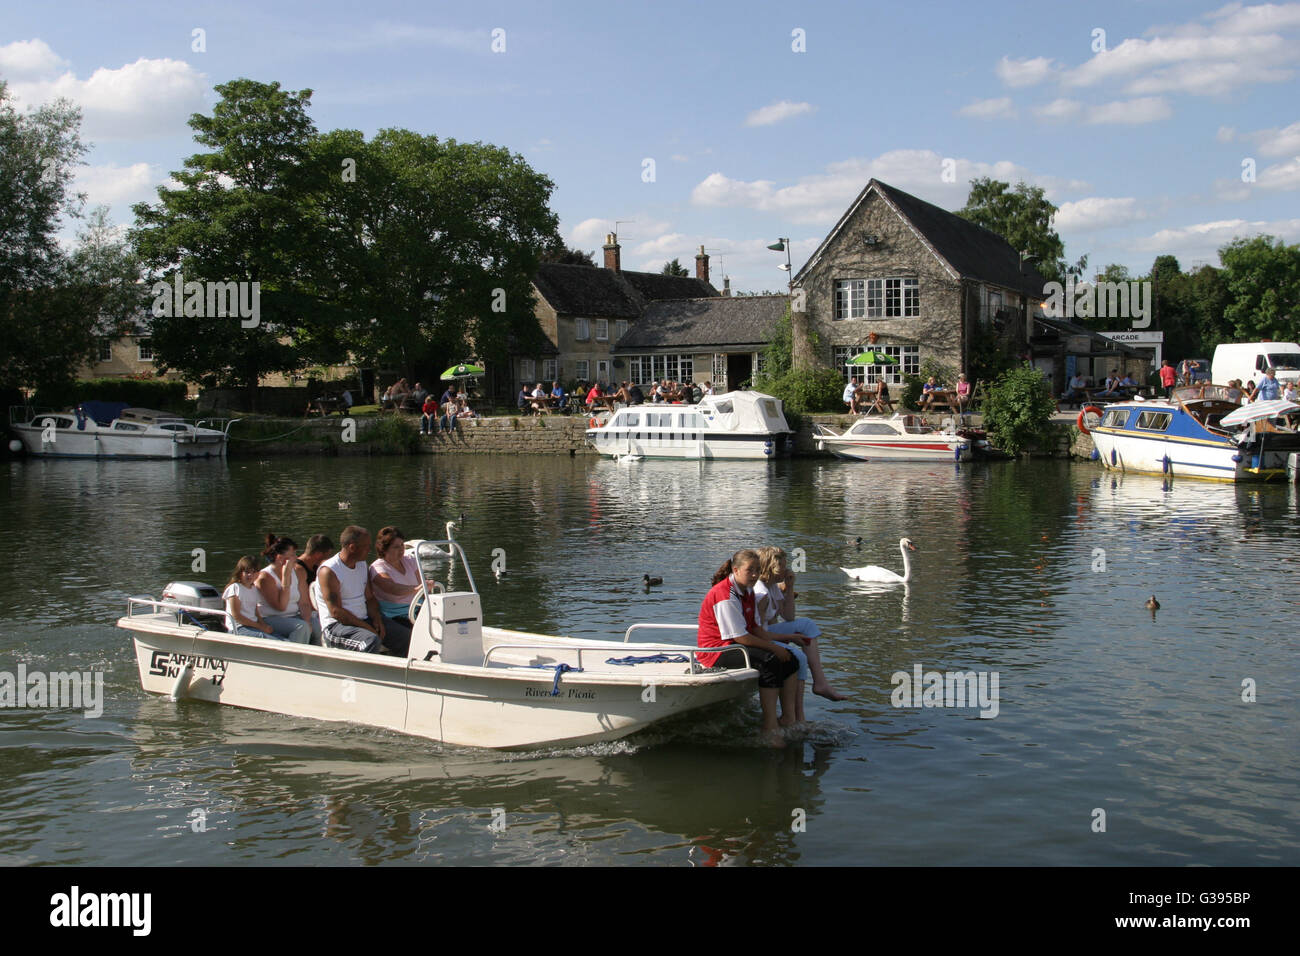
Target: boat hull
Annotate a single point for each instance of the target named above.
(509, 707)
(615, 443)
(896, 451)
(97, 442)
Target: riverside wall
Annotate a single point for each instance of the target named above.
(518, 435)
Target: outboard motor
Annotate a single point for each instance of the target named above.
(197, 594)
(448, 627)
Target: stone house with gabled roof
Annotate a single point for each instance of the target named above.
(584, 311)
(719, 340)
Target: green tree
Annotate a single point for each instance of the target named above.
(1018, 410)
(1263, 280)
(240, 214)
(674, 268)
(1022, 215)
(561, 254)
(430, 248)
(54, 305)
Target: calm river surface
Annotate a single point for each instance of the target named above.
(1101, 708)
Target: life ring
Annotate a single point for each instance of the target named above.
(593, 423)
(1083, 413)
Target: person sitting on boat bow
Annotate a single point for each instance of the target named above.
(727, 616)
(351, 619)
(244, 602)
(394, 575)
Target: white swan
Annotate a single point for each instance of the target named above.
(875, 573)
(432, 552)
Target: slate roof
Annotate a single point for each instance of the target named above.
(604, 293)
(715, 322)
(972, 251)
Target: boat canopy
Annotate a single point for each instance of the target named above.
(744, 411)
(102, 413)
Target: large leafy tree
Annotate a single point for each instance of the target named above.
(1022, 215)
(54, 305)
(240, 214)
(430, 246)
(1262, 275)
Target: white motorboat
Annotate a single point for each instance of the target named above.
(1201, 431)
(460, 683)
(736, 425)
(111, 430)
(900, 438)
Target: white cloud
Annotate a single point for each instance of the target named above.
(1000, 108)
(1237, 46)
(29, 58)
(383, 34)
(679, 158)
(144, 98)
(1203, 239)
(1283, 176)
(116, 186)
(592, 232)
(777, 112)
(1095, 212)
(1025, 72)
(822, 198)
(1278, 142)
(670, 245)
(1146, 110)
(1059, 109)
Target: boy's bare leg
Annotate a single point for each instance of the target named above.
(787, 696)
(767, 698)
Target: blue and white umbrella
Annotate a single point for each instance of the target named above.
(1258, 411)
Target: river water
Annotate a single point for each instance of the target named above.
(1119, 737)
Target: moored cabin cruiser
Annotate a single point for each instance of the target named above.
(1202, 431)
(900, 438)
(111, 430)
(460, 682)
(736, 425)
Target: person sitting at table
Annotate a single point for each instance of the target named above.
(418, 395)
(927, 393)
(523, 399)
(850, 396)
(537, 399)
(386, 400)
(400, 393)
(882, 397)
(1075, 392)
(558, 397)
(1112, 389)
(963, 392)
(595, 396)
(463, 410)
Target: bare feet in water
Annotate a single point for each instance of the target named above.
(774, 738)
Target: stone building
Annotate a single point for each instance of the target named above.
(584, 311)
(914, 281)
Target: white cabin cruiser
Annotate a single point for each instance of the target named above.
(900, 438)
(461, 683)
(736, 425)
(111, 430)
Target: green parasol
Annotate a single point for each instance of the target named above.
(872, 357)
(461, 371)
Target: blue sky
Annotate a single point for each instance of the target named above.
(1138, 134)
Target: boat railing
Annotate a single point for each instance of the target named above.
(604, 647)
(446, 551)
(217, 424)
(133, 604)
(627, 635)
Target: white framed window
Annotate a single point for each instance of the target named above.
(581, 371)
(602, 330)
(602, 370)
(719, 372)
(670, 367)
(907, 356)
(528, 370)
(550, 371)
(760, 363)
(582, 329)
(657, 369)
(105, 350)
(643, 369)
(850, 298)
(620, 328)
(893, 298)
(144, 350)
(686, 368)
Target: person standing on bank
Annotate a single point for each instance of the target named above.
(727, 616)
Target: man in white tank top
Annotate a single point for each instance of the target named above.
(350, 617)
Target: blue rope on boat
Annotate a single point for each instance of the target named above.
(559, 670)
(193, 620)
(649, 659)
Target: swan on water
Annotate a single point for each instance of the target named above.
(873, 572)
(433, 552)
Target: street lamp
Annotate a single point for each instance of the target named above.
(783, 245)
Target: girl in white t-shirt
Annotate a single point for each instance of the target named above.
(774, 608)
(244, 602)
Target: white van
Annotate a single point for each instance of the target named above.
(1249, 360)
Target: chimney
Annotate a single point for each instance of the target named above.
(702, 266)
(612, 259)
(726, 285)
